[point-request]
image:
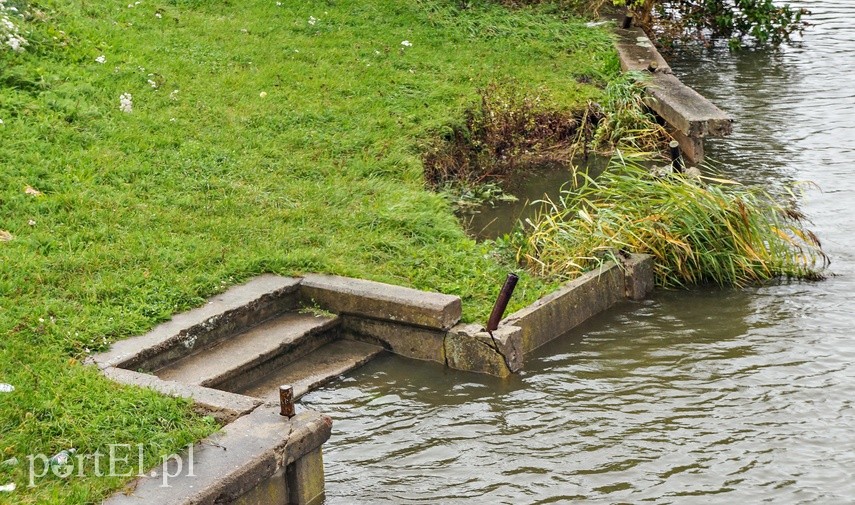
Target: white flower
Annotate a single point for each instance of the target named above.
(407, 43)
(1, 121)
(152, 83)
(31, 222)
(174, 95)
(126, 103)
(313, 20)
(101, 59)
(158, 15)
(262, 94)
(278, 4)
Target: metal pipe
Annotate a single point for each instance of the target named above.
(676, 157)
(286, 401)
(502, 302)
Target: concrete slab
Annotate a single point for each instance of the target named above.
(292, 334)
(470, 348)
(225, 407)
(381, 301)
(636, 52)
(640, 278)
(224, 314)
(687, 110)
(228, 465)
(691, 117)
(575, 302)
(405, 340)
(309, 472)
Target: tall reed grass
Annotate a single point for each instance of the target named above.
(699, 231)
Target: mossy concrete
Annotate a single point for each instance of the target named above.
(409, 341)
(572, 304)
(470, 348)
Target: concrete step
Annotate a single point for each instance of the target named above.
(245, 357)
(314, 370)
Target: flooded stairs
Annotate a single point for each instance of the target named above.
(299, 348)
(231, 355)
(234, 353)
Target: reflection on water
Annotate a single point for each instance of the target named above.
(710, 396)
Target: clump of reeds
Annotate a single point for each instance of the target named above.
(708, 231)
(627, 122)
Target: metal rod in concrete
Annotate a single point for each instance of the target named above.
(502, 302)
(676, 157)
(286, 401)
(626, 24)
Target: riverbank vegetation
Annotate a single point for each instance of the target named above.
(699, 230)
(155, 153)
(741, 23)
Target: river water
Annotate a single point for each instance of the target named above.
(710, 396)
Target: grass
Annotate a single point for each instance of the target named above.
(698, 231)
(288, 147)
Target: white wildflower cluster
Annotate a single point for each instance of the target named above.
(312, 20)
(10, 36)
(126, 103)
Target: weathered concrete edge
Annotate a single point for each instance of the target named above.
(225, 407)
(471, 348)
(234, 461)
(377, 300)
(691, 115)
(251, 302)
(572, 304)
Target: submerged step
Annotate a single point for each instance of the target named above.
(246, 356)
(314, 370)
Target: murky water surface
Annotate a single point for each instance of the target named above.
(702, 397)
(533, 188)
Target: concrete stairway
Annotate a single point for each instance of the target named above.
(296, 348)
(314, 370)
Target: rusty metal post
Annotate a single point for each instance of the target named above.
(676, 157)
(286, 401)
(502, 302)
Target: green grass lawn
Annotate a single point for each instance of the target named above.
(279, 138)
